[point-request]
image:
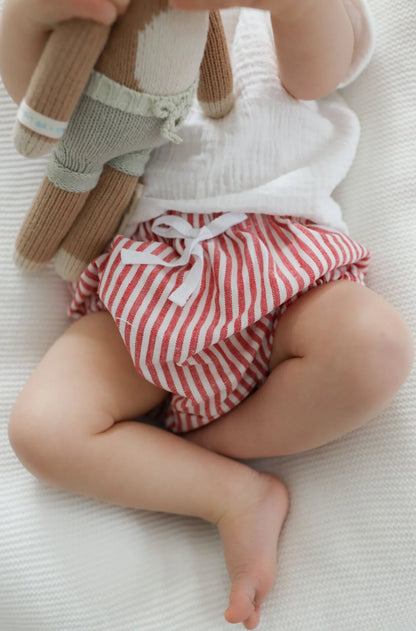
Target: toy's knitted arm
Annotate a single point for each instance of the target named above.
(215, 90)
(57, 84)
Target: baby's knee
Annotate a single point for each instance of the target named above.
(31, 438)
(378, 350)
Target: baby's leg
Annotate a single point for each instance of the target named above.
(340, 354)
(70, 427)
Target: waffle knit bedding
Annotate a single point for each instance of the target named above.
(347, 554)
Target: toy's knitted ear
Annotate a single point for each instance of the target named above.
(57, 84)
(215, 90)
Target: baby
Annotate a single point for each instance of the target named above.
(234, 300)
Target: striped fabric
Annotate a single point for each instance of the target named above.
(213, 351)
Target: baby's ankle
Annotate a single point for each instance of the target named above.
(250, 491)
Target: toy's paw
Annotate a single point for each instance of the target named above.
(68, 266)
(218, 109)
(31, 144)
(25, 264)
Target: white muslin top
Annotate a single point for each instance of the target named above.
(272, 153)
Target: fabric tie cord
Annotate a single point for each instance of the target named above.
(174, 227)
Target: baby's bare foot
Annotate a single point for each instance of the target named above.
(250, 534)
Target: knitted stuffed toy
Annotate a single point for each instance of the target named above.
(102, 98)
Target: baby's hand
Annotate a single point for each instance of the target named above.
(46, 14)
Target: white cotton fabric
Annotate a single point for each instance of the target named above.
(272, 153)
(347, 555)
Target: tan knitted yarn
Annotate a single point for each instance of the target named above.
(52, 214)
(76, 43)
(94, 227)
(215, 91)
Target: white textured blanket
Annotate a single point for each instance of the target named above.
(348, 554)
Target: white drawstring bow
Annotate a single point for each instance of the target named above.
(174, 227)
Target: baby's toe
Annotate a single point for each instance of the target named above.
(241, 604)
(253, 619)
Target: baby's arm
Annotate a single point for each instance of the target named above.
(25, 26)
(314, 41)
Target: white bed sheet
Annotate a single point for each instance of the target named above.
(348, 553)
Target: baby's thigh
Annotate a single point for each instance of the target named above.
(342, 319)
(84, 384)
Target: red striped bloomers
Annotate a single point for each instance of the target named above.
(197, 298)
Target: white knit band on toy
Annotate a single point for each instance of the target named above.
(39, 123)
